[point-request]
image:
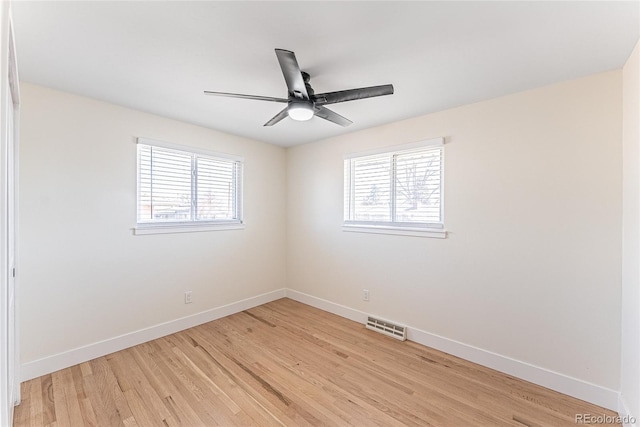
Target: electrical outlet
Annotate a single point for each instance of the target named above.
(187, 297)
(365, 294)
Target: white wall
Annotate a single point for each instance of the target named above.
(85, 276)
(630, 365)
(531, 268)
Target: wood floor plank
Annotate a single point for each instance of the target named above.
(60, 401)
(226, 382)
(278, 378)
(135, 384)
(236, 363)
(30, 392)
(180, 398)
(88, 414)
(71, 397)
(105, 394)
(260, 378)
(288, 364)
(180, 412)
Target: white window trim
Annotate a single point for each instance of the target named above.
(398, 231)
(145, 228)
(433, 230)
(170, 228)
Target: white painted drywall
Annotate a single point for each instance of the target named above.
(630, 364)
(85, 276)
(531, 268)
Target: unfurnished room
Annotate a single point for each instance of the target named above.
(336, 213)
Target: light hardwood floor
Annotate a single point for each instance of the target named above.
(285, 363)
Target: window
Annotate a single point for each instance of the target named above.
(186, 189)
(396, 191)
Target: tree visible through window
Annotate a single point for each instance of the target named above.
(401, 187)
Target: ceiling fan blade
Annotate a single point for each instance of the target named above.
(353, 94)
(292, 73)
(281, 115)
(239, 95)
(332, 116)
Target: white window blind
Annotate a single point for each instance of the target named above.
(176, 186)
(400, 187)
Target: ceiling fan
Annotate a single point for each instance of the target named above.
(302, 102)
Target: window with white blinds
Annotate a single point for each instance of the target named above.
(400, 188)
(182, 186)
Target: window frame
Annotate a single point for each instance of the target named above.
(423, 229)
(192, 225)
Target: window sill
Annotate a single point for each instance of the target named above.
(400, 231)
(142, 229)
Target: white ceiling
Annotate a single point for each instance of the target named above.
(160, 56)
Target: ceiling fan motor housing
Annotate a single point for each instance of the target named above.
(305, 78)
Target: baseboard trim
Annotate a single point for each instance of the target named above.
(627, 418)
(53, 363)
(574, 387)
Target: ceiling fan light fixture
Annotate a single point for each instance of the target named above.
(300, 112)
(302, 101)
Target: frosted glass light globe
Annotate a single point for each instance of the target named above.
(300, 112)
